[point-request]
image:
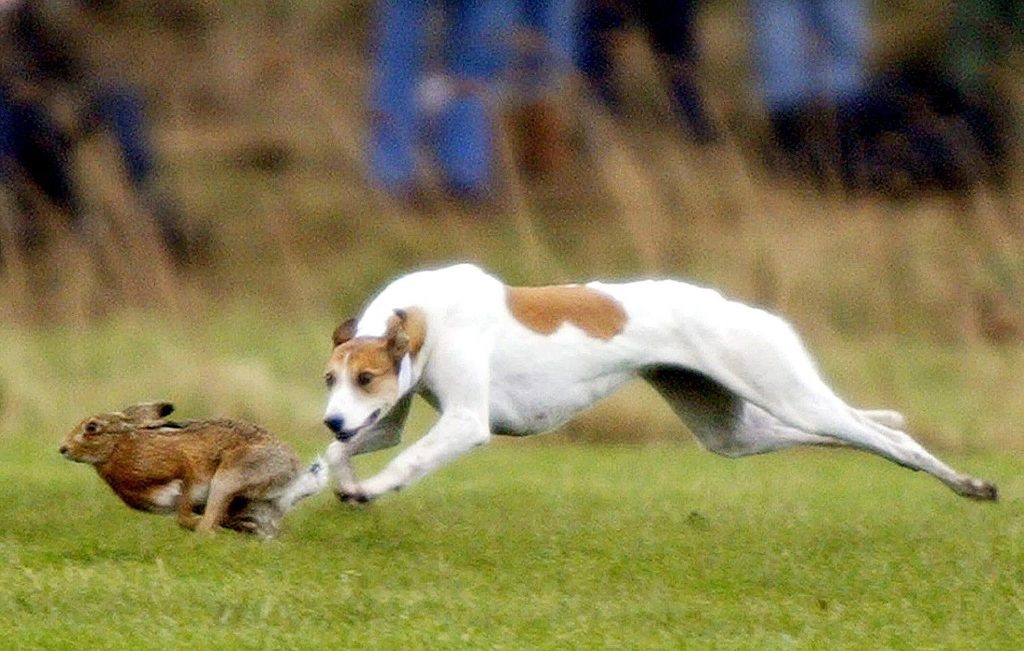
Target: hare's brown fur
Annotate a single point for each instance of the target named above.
(233, 473)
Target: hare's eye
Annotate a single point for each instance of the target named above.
(364, 378)
(91, 428)
(329, 379)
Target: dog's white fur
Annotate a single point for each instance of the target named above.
(738, 376)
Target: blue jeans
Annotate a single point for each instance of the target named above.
(475, 53)
(794, 73)
(121, 109)
(460, 134)
(33, 147)
(6, 125)
(550, 29)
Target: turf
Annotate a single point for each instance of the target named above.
(530, 545)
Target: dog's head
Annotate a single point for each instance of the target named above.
(366, 376)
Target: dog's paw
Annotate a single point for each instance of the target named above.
(352, 495)
(978, 489)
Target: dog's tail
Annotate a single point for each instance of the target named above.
(309, 482)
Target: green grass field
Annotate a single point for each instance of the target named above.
(531, 545)
(542, 543)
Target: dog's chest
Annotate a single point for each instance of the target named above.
(538, 384)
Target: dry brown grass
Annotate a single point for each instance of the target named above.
(303, 237)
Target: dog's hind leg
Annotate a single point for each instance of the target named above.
(816, 409)
(723, 422)
(899, 447)
(728, 425)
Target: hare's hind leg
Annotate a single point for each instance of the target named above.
(186, 516)
(260, 518)
(225, 485)
(252, 473)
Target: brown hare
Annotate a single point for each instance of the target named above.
(211, 473)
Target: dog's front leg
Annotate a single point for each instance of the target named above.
(339, 461)
(455, 433)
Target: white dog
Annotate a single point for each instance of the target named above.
(522, 360)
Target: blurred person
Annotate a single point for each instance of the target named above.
(917, 132)
(811, 56)
(442, 72)
(543, 60)
(49, 99)
(670, 28)
(436, 95)
(940, 122)
(984, 35)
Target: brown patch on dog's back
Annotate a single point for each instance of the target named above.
(544, 309)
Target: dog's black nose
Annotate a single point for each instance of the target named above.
(335, 423)
(63, 449)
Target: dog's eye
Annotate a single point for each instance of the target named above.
(91, 428)
(329, 379)
(364, 378)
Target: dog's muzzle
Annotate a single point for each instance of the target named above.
(337, 425)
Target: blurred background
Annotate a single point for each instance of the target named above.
(193, 193)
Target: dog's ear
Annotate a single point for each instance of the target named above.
(149, 412)
(396, 336)
(344, 332)
(406, 332)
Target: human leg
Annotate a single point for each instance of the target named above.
(670, 26)
(397, 63)
(479, 37)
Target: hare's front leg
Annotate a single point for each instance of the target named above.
(186, 516)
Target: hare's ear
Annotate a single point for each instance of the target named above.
(148, 412)
(344, 332)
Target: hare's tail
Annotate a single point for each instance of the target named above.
(310, 482)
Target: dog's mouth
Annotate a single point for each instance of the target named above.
(347, 435)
